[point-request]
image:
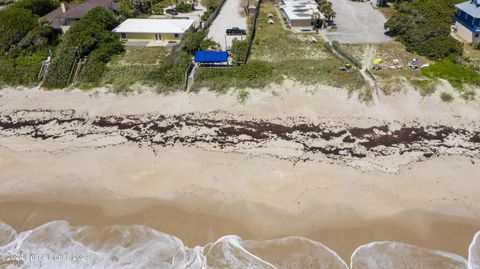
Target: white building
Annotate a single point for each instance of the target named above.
(300, 13)
(153, 32)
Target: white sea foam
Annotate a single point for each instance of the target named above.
(383, 255)
(59, 245)
(227, 253)
(7, 234)
(474, 253)
(295, 253)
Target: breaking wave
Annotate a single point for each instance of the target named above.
(474, 253)
(59, 245)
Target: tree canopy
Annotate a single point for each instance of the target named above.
(90, 37)
(424, 27)
(15, 23)
(38, 7)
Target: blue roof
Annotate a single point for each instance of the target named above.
(470, 7)
(211, 56)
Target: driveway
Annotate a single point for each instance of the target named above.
(194, 15)
(230, 15)
(357, 22)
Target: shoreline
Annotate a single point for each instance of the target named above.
(449, 234)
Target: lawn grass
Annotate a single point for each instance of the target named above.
(424, 86)
(457, 74)
(255, 74)
(471, 54)
(135, 66)
(141, 56)
(122, 78)
(463, 78)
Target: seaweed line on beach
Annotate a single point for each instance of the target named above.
(294, 139)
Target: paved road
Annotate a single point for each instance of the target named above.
(230, 15)
(357, 22)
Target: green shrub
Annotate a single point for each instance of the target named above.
(97, 59)
(158, 9)
(38, 7)
(252, 74)
(456, 74)
(90, 37)
(424, 86)
(15, 23)
(424, 27)
(133, 8)
(208, 13)
(123, 77)
(184, 7)
(21, 70)
(194, 41)
(239, 49)
(446, 97)
(172, 70)
(38, 38)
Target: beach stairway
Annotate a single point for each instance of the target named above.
(76, 69)
(44, 69)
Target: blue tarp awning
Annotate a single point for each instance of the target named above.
(211, 56)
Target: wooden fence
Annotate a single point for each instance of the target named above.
(253, 32)
(213, 15)
(186, 78)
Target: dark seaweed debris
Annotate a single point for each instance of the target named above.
(339, 141)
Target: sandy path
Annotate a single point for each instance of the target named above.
(231, 15)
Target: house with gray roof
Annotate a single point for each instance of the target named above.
(62, 17)
(467, 20)
(300, 14)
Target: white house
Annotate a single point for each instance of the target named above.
(300, 13)
(153, 32)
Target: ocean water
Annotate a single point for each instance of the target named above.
(59, 245)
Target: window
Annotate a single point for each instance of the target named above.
(177, 35)
(123, 36)
(477, 35)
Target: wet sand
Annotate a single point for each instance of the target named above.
(200, 196)
(446, 233)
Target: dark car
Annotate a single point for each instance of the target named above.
(171, 11)
(236, 31)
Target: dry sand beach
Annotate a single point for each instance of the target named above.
(290, 161)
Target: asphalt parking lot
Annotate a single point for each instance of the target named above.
(357, 22)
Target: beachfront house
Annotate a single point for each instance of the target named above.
(300, 14)
(67, 13)
(153, 32)
(467, 21)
